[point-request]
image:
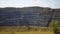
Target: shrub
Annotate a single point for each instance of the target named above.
(54, 25)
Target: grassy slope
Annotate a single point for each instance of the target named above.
(25, 30)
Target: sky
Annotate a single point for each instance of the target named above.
(27, 3)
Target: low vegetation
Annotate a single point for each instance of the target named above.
(25, 30)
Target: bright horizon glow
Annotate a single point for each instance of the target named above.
(28, 3)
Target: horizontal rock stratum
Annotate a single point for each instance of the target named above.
(28, 16)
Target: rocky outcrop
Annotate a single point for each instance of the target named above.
(27, 16)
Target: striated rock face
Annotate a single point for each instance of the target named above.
(56, 15)
(27, 16)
